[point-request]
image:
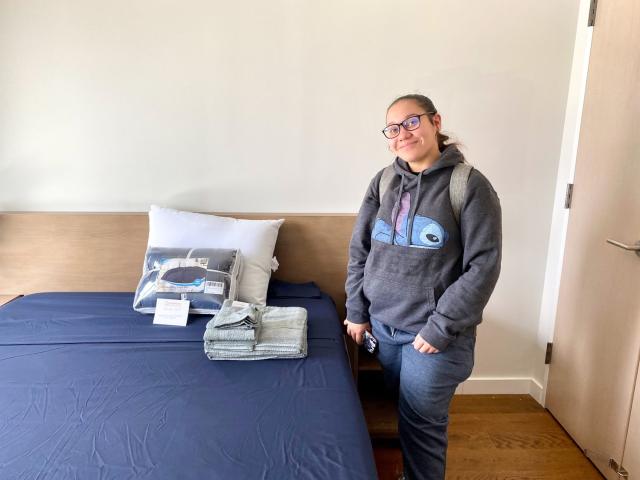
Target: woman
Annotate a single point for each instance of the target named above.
(418, 279)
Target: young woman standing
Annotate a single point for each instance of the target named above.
(419, 278)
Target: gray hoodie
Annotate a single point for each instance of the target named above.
(437, 280)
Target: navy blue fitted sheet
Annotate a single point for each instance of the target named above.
(45, 318)
(91, 389)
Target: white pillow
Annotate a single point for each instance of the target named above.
(256, 240)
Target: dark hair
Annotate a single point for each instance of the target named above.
(430, 110)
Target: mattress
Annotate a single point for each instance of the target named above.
(90, 389)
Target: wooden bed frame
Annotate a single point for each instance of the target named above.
(47, 252)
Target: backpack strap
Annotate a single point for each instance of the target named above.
(458, 187)
(385, 180)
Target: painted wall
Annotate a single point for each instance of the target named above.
(277, 107)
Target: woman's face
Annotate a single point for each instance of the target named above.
(419, 147)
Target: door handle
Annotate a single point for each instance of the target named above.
(632, 248)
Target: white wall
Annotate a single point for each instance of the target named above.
(277, 106)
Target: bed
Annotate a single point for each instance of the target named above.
(91, 389)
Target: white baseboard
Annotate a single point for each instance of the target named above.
(497, 386)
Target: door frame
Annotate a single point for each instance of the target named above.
(560, 217)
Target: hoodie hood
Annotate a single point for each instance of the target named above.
(449, 157)
(409, 180)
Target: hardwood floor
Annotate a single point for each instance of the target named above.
(493, 437)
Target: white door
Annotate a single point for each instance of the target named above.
(597, 336)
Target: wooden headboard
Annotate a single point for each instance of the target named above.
(47, 252)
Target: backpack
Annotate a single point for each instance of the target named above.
(457, 185)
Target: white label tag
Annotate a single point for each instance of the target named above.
(214, 288)
(237, 303)
(171, 312)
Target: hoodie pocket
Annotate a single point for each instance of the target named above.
(407, 265)
(398, 303)
(398, 282)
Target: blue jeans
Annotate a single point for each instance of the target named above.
(424, 385)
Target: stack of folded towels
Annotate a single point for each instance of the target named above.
(244, 331)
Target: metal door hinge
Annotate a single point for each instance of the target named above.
(613, 465)
(619, 469)
(592, 13)
(547, 355)
(568, 195)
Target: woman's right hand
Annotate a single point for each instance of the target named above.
(356, 330)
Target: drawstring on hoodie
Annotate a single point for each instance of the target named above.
(396, 209)
(449, 157)
(412, 210)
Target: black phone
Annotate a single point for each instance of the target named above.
(370, 342)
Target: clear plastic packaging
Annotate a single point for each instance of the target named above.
(204, 276)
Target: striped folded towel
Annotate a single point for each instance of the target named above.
(234, 327)
(282, 334)
(238, 317)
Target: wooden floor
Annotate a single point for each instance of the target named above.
(499, 437)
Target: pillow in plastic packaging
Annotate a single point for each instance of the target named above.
(256, 239)
(204, 276)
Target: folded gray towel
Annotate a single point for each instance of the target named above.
(216, 354)
(234, 323)
(282, 334)
(241, 317)
(282, 329)
(226, 355)
(234, 345)
(230, 334)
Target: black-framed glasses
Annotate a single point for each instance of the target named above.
(411, 123)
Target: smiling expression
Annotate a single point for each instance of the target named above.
(419, 147)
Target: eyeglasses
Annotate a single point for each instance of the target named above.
(411, 123)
